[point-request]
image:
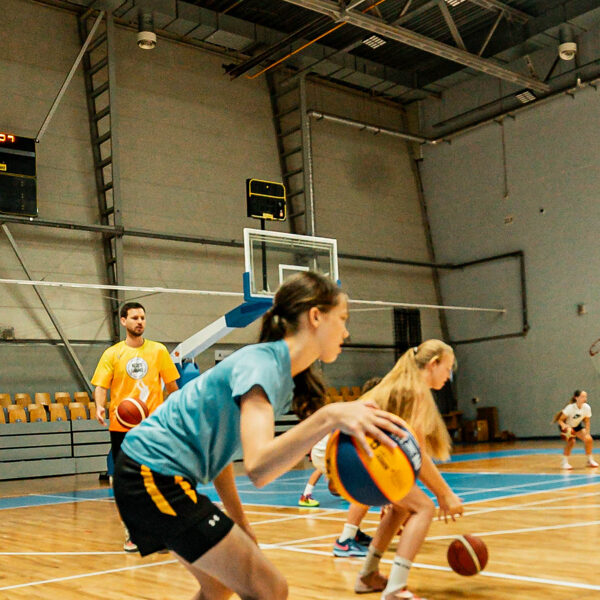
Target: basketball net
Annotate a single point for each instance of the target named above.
(595, 355)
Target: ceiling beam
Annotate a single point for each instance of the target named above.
(513, 14)
(451, 24)
(507, 35)
(416, 40)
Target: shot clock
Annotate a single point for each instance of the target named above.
(17, 175)
(265, 200)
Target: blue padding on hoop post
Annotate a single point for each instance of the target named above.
(248, 312)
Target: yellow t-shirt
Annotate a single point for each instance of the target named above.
(134, 373)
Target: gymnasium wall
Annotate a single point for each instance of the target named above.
(189, 138)
(541, 196)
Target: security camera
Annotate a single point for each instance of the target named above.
(567, 50)
(146, 38)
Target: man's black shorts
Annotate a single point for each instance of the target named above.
(164, 511)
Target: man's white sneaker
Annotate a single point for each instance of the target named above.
(592, 463)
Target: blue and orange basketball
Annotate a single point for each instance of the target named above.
(385, 477)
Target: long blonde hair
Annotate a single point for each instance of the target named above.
(574, 397)
(404, 392)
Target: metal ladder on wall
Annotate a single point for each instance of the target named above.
(100, 87)
(292, 128)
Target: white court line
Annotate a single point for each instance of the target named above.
(94, 574)
(467, 514)
(574, 507)
(518, 486)
(538, 580)
(295, 517)
(71, 498)
(528, 504)
(60, 553)
(523, 530)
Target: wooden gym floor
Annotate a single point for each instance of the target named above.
(61, 538)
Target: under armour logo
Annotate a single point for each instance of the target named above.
(214, 520)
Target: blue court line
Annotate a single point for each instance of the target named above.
(508, 454)
(286, 490)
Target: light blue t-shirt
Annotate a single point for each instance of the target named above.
(196, 432)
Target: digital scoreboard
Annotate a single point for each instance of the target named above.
(265, 200)
(17, 175)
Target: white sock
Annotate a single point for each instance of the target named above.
(398, 575)
(349, 532)
(590, 458)
(371, 564)
(308, 490)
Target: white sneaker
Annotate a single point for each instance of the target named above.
(129, 546)
(565, 465)
(592, 463)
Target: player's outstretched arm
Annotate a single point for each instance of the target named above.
(224, 483)
(450, 505)
(266, 457)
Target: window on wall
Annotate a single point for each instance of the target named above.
(407, 329)
(407, 334)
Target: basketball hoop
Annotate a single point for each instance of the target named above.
(595, 354)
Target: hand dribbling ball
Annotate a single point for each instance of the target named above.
(467, 555)
(567, 434)
(131, 412)
(383, 478)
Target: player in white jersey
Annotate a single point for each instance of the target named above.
(574, 422)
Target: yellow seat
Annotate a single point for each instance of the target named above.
(5, 400)
(23, 400)
(77, 411)
(2, 415)
(64, 400)
(42, 398)
(37, 412)
(92, 409)
(355, 391)
(58, 412)
(16, 414)
(82, 397)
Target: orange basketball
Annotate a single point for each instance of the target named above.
(567, 434)
(131, 412)
(467, 555)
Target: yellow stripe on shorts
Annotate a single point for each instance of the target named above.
(187, 488)
(155, 493)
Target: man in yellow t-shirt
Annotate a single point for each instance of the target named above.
(132, 368)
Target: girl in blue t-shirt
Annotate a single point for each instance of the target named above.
(229, 410)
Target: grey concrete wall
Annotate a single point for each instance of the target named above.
(189, 138)
(551, 212)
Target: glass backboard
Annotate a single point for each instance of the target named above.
(272, 256)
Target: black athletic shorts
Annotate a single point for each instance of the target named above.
(576, 428)
(165, 511)
(116, 439)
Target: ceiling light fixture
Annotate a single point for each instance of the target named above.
(525, 97)
(454, 2)
(374, 41)
(146, 38)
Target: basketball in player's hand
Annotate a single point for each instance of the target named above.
(467, 555)
(131, 412)
(567, 433)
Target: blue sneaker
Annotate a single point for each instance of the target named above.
(362, 538)
(348, 547)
